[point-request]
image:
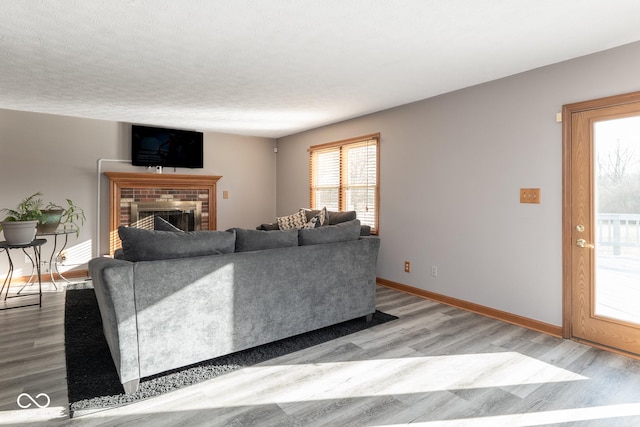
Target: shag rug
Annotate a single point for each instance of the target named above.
(93, 383)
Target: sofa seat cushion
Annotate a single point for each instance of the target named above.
(343, 232)
(148, 245)
(256, 240)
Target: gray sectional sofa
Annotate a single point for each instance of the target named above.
(176, 298)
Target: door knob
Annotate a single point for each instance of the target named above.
(583, 243)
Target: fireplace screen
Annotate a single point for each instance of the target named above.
(185, 215)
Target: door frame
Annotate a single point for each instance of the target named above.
(567, 241)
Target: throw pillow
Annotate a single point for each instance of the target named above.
(256, 240)
(342, 232)
(148, 245)
(296, 220)
(322, 214)
(313, 222)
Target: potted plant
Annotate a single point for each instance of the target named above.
(33, 215)
(20, 224)
(53, 215)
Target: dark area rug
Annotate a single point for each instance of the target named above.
(92, 380)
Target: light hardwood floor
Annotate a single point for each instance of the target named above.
(434, 366)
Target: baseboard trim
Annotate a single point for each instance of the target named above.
(525, 322)
(46, 277)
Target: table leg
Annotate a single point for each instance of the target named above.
(7, 279)
(33, 270)
(36, 254)
(54, 265)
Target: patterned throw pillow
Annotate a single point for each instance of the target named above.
(313, 222)
(322, 214)
(296, 220)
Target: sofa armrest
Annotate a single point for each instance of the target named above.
(114, 288)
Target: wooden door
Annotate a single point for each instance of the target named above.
(601, 222)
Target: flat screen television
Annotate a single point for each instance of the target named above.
(152, 146)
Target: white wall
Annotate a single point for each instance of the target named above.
(451, 169)
(59, 155)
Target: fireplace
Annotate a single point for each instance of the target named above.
(189, 200)
(187, 216)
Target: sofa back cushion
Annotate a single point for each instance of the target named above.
(256, 240)
(343, 232)
(148, 245)
(332, 217)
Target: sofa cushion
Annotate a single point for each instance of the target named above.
(270, 226)
(296, 220)
(147, 245)
(340, 217)
(256, 240)
(342, 232)
(331, 217)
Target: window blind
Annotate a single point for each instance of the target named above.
(344, 176)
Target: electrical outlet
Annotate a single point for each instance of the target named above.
(529, 195)
(434, 271)
(407, 267)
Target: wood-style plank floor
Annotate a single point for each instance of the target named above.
(434, 366)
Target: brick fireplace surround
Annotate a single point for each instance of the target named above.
(126, 188)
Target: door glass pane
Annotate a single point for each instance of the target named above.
(617, 221)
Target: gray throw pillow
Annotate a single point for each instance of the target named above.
(342, 232)
(148, 245)
(256, 240)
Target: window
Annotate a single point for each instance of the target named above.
(344, 177)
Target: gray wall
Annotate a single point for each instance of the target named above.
(59, 155)
(451, 170)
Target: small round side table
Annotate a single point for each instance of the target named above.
(55, 252)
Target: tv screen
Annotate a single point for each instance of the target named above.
(151, 146)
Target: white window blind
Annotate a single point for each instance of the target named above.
(344, 177)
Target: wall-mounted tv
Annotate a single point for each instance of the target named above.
(152, 146)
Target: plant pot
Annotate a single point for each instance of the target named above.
(49, 221)
(19, 232)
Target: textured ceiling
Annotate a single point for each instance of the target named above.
(273, 68)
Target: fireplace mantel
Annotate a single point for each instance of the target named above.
(204, 185)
